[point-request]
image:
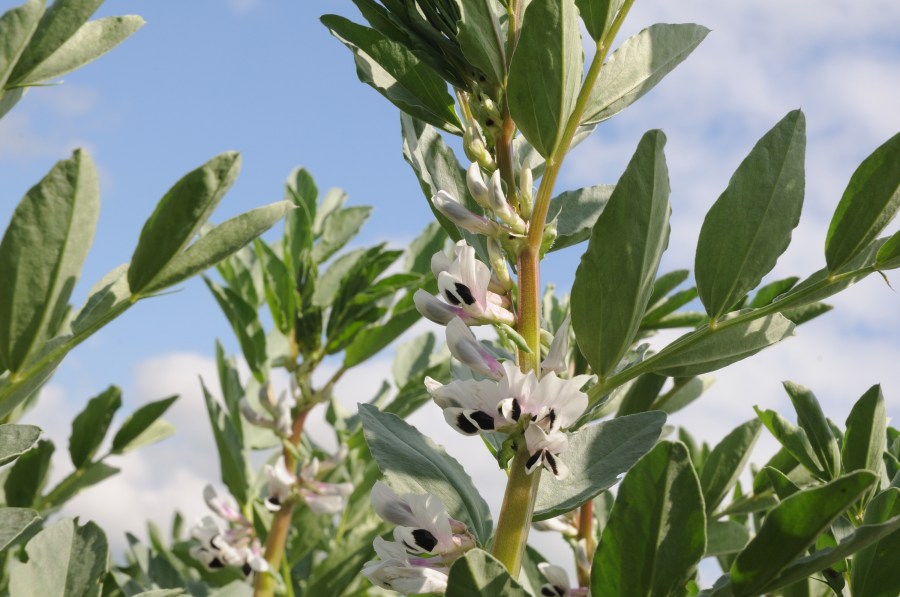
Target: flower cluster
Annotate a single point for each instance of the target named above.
(426, 542)
(321, 497)
(545, 408)
(232, 543)
(469, 289)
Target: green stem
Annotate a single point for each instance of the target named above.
(266, 583)
(586, 532)
(516, 512)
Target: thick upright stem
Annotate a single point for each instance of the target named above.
(586, 533)
(281, 524)
(514, 523)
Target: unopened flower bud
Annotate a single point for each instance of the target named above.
(550, 234)
(500, 272)
(476, 185)
(468, 350)
(476, 150)
(454, 211)
(501, 206)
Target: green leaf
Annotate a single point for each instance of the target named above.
(329, 283)
(638, 65)
(656, 533)
(545, 72)
(609, 296)
(17, 27)
(598, 15)
(889, 254)
(90, 474)
(64, 559)
(41, 256)
(783, 486)
(338, 229)
(412, 358)
(15, 440)
(794, 440)
(641, 395)
(750, 225)
(91, 41)
(9, 98)
(394, 72)
(869, 203)
(58, 24)
(679, 397)
(90, 426)
(708, 349)
(412, 463)
(143, 427)
(232, 459)
(874, 572)
(481, 38)
(302, 192)
(244, 321)
(28, 475)
(109, 297)
(279, 287)
(725, 536)
(576, 212)
(865, 439)
(14, 522)
(217, 244)
(479, 574)
(812, 420)
(790, 528)
(726, 462)
(765, 295)
(178, 218)
(597, 456)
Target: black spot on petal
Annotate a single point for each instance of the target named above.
(425, 539)
(532, 460)
(552, 417)
(451, 298)
(516, 409)
(551, 460)
(465, 425)
(216, 563)
(464, 293)
(484, 421)
(246, 569)
(548, 591)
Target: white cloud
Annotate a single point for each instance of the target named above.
(244, 6)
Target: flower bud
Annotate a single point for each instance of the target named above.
(526, 189)
(501, 283)
(454, 211)
(476, 150)
(501, 206)
(476, 185)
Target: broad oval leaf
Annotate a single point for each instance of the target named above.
(576, 212)
(888, 256)
(482, 39)
(794, 440)
(15, 440)
(143, 427)
(865, 439)
(638, 65)
(598, 15)
(412, 463)
(750, 225)
(233, 463)
(41, 256)
(179, 216)
(874, 572)
(869, 203)
(397, 74)
(791, 527)
(479, 574)
(615, 278)
(28, 476)
(14, 522)
(725, 537)
(90, 426)
(106, 299)
(58, 23)
(726, 462)
(17, 26)
(708, 349)
(217, 244)
(597, 456)
(545, 72)
(64, 559)
(812, 420)
(90, 42)
(656, 533)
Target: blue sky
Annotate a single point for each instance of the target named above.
(265, 78)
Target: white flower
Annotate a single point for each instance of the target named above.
(224, 506)
(423, 525)
(281, 484)
(559, 581)
(457, 213)
(227, 546)
(553, 402)
(396, 571)
(545, 449)
(464, 283)
(321, 497)
(468, 350)
(564, 524)
(281, 420)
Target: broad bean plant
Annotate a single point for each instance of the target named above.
(561, 390)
